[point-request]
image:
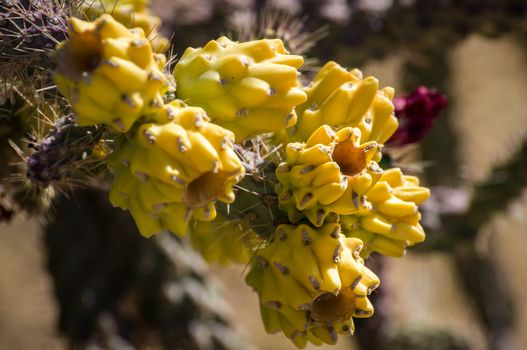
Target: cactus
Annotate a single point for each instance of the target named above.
(284, 192)
(19, 120)
(256, 201)
(275, 23)
(30, 30)
(223, 241)
(67, 155)
(366, 34)
(15, 123)
(112, 285)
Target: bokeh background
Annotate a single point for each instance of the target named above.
(87, 280)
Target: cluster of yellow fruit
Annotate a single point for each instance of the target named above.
(311, 278)
(176, 163)
(242, 84)
(389, 222)
(326, 175)
(171, 172)
(174, 160)
(110, 74)
(312, 282)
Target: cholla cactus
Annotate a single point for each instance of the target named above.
(31, 28)
(161, 281)
(224, 138)
(66, 154)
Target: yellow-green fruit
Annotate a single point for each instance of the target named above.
(326, 175)
(275, 321)
(223, 241)
(131, 13)
(340, 98)
(110, 74)
(390, 221)
(248, 87)
(311, 282)
(169, 173)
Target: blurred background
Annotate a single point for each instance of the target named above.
(87, 280)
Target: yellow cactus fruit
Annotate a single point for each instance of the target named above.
(326, 175)
(390, 221)
(311, 283)
(131, 13)
(340, 98)
(223, 241)
(169, 173)
(248, 87)
(110, 74)
(290, 322)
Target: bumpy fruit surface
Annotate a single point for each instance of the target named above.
(131, 13)
(311, 283)
(110, 74)
(326, 175)
(169, 173)
(340, 98)
(248, 87)
(223, 241)
(390, 221)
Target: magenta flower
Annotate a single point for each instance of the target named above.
(417, 113)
